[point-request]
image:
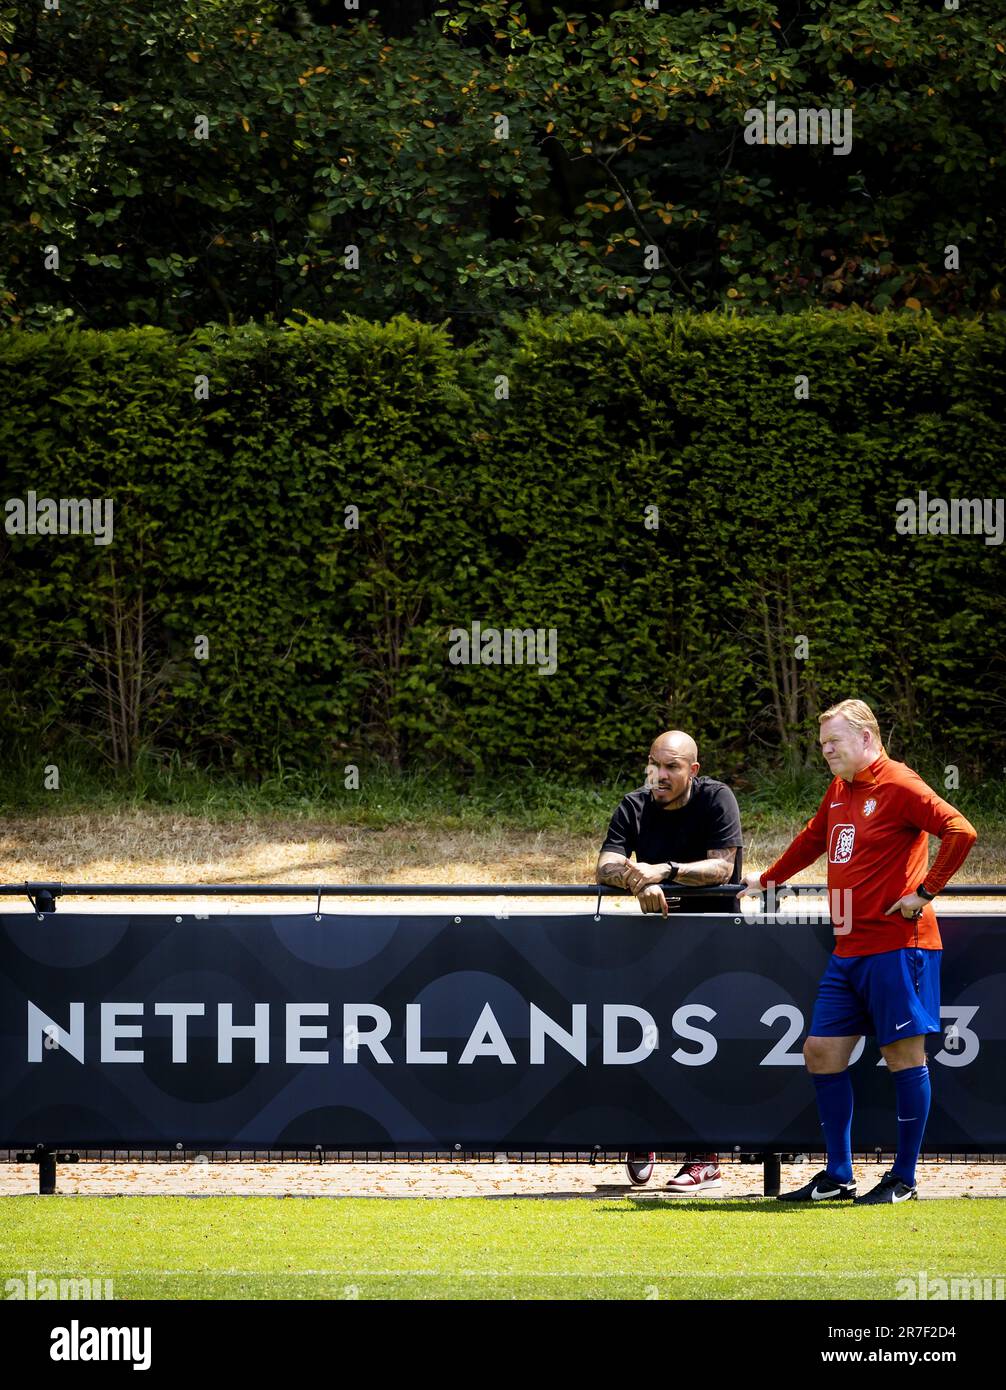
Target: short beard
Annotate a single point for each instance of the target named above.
(681, 800)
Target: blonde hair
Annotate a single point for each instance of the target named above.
(858, 714)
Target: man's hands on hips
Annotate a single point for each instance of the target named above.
(911, 906)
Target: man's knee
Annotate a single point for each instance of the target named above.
(824, 1055)
(905, 1053)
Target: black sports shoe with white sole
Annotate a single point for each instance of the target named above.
(821, 1188)
(889, 1189)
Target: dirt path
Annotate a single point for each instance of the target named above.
(556, 1180)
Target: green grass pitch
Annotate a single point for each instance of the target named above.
(494, 1248)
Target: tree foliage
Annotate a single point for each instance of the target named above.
(621, 180)
(773, 581)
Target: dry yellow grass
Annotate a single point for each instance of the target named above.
(141, 847)
(164, 847)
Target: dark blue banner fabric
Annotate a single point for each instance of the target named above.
(520, 1032)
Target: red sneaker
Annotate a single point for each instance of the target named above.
(639, 1168)
(697, 1175)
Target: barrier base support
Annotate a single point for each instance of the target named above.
(772, 1175)
(46, 1160)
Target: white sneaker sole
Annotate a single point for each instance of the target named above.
(714, 1185)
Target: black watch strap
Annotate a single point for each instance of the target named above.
(669, 878)
(921, 890)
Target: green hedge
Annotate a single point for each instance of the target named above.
(329, 645)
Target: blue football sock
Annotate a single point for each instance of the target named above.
(834, 1105)
(913, 1093)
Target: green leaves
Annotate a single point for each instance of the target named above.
(635, 120)
(776, 518)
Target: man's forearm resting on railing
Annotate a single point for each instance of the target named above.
(616, 871)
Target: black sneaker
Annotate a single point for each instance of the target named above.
(889, 1189)
(821, 1188)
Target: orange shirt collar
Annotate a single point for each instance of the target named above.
(867, 776)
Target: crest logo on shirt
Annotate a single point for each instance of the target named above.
(843, 837)
(869, 806)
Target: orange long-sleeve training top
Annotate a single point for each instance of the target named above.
(875, 831)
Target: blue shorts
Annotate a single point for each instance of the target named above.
(876, 995)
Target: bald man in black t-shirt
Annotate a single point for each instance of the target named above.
(685, 829)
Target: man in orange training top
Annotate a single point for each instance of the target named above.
(884, 975)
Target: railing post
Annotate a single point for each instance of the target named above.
(42, 896)
(46, 1173)
(772, 1174)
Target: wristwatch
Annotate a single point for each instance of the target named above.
(669, 878)
(923, 894)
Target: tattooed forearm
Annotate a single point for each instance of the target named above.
(707, 872)
(611, 873)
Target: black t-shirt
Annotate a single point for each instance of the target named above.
(709, 819)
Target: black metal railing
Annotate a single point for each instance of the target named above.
(43, 894)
